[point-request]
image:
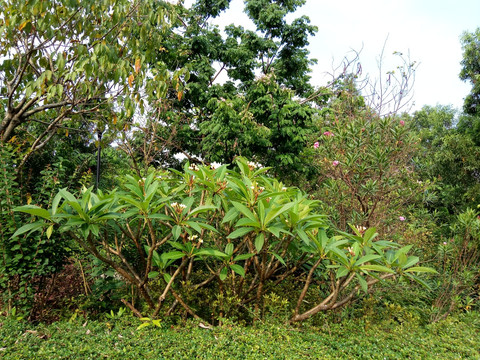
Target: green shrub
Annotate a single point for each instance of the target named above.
(244, 232)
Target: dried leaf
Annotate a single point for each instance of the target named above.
(22, 25)
(130, 80)
(137, 65)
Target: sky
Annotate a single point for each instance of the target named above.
(428, 31)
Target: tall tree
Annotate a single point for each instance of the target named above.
(65, 62)
(254, 112)
(471, 70)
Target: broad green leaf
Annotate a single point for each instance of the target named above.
(194, 225)
(223, 273)
(229, 249)
(242, 257)
(230, 215)
(176, 231)
(363, 283)
(211, 252)
(366, 258)
(34, 210)
(341, 271)
(207, 226)
(203, 208)
(402, 251)
(412, 260)
(160, 217)
(173, 255)
(247, 222)
(370, 234)
(238, 269)
(303, 236)
(55, 202)
(259, 241)
(28, 227)
(239, 232)
(379, 268)
(277, 212)
(244, 210)
(167, 277)
(153, 274)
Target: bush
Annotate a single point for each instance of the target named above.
(243, 231)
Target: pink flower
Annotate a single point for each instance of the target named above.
(328, 133)
(335, 162)
(316, 145)
(402, 123)
(444, 243)
(401, 218)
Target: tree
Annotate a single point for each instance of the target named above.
(68, 62)
(448, 156)
(253, 113)
(471, 70)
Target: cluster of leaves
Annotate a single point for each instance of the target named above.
(243, 228)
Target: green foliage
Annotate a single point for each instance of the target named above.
(471, 70)
(458, 258)
(355, 339)
(245, 228)
(26, 260)
(75, 61)
(364, 163)
(449, 157)
(253, 113)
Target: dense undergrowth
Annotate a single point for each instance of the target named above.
(454, 338)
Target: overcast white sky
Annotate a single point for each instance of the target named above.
(429, 30)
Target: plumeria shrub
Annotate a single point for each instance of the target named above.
(238, 233)
(364, 161)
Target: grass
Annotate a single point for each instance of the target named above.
(455, 338)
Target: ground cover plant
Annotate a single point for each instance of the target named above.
(456, 338)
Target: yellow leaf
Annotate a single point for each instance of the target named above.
(130, 80)
(22, 25)
(66, 133)
(137, 65)
(12, 140)
(29, 199)
(115, 119)
(180, 95)
(49, 231)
